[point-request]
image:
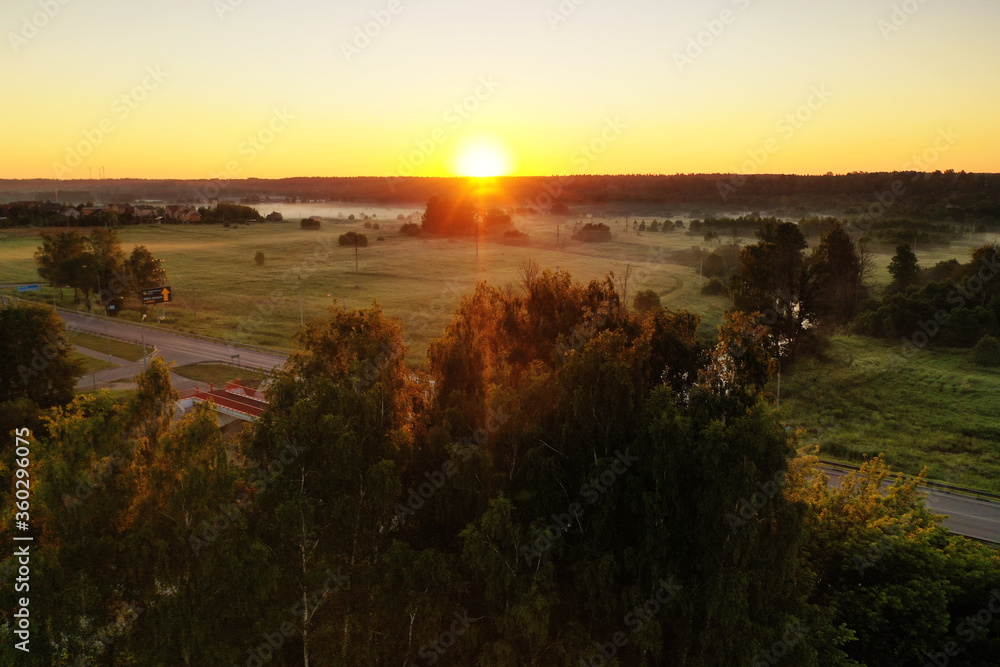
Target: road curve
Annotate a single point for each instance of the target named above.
(172, 347)
(971, 517)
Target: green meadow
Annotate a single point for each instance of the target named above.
(937, 409)
(220, 291)
(934, 409)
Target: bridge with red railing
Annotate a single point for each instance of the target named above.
(234, 400)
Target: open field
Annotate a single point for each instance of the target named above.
(118, 348)
(936, 409)
(219, 290)
(219, 374)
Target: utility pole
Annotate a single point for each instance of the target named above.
(302, 319)
(142, 329)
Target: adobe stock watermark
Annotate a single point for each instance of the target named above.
(786, 127)
(584, 156)
(42, 356)
(223, 7)
(748, 508)
(635, 620)
(254, 145)
(121, 109)
(562, 13)
(208, 532)
(899, 17)
(884, 200)
(968, 291)
(454, 117)
(302, 611)
(794, 633)
(32, 25)
(464, 450)
(432, 650)
(366, 34)
(704, 40)
(591, 491)
(967, 630)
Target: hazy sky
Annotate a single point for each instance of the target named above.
(201, 77)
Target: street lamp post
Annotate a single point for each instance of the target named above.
(142, 330)
(100, 299)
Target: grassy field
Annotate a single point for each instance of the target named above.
(92, 364)
(118, 348)
(217, 286)
(936, 409)
(220, 374)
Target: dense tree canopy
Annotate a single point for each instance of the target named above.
(565, 482)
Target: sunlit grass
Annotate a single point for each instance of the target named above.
(937, 409)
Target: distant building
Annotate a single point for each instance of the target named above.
(71, 213)
(182, 213)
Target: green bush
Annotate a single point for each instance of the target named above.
(987, 352)
(352, 239)
(714, 287)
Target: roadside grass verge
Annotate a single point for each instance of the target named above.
(120, 349)
(220, 374)
(937, 409)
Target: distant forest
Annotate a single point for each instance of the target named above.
(938, 195)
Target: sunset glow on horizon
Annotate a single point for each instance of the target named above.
(442, 88)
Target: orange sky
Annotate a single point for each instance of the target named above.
(203, 88)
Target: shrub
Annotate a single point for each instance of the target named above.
(714, 287)
(646, 300)
(309, 223)
(353, 238)
(593, 231)
(259, 258)
(375, 225)
(381, 238)
(226, 224)
(410, 229)
(987, 352)
(274, 216)
(368, 225)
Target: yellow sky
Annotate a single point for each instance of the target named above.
(203, 88)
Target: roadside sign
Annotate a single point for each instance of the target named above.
(28, 288)
(157, 295)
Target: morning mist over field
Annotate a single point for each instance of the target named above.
(564, 333)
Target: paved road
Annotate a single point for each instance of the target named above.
(171, 347)
(967, 516)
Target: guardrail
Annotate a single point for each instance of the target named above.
(234, 364)
(929, 483)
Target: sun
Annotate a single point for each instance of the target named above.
(482, 158)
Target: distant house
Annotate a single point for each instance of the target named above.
(90, 210)
(144, 211)
(71, 213)
(182, 213)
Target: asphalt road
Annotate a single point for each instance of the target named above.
(972, 517)
(967, 516)
(170, 346)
